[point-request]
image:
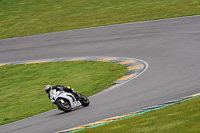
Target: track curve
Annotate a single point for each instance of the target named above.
(171, 48)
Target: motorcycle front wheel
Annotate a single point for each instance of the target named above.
(64, 106)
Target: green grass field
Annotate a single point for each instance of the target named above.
(22, 86)
(179, 118)
(29, 17)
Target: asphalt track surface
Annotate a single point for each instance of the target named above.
(170, 47)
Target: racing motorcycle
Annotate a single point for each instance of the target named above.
(66, 101)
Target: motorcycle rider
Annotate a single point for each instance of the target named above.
(48, 88)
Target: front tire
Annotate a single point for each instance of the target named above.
(63, 106)
(84, 100)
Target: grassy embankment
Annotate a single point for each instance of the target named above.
(179, 118)
(28, 17)
(22, 86)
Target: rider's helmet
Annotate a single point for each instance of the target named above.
(48, 88)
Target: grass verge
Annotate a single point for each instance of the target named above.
(29, 17)
(22, 86)
(179, 118)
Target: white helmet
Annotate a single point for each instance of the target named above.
(48, 88)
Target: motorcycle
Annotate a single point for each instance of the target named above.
(66, 101)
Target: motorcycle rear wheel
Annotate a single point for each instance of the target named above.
(84, 100)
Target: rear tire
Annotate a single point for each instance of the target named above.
(84, 100)
(64, 106)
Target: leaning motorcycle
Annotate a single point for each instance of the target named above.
(66, 101)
